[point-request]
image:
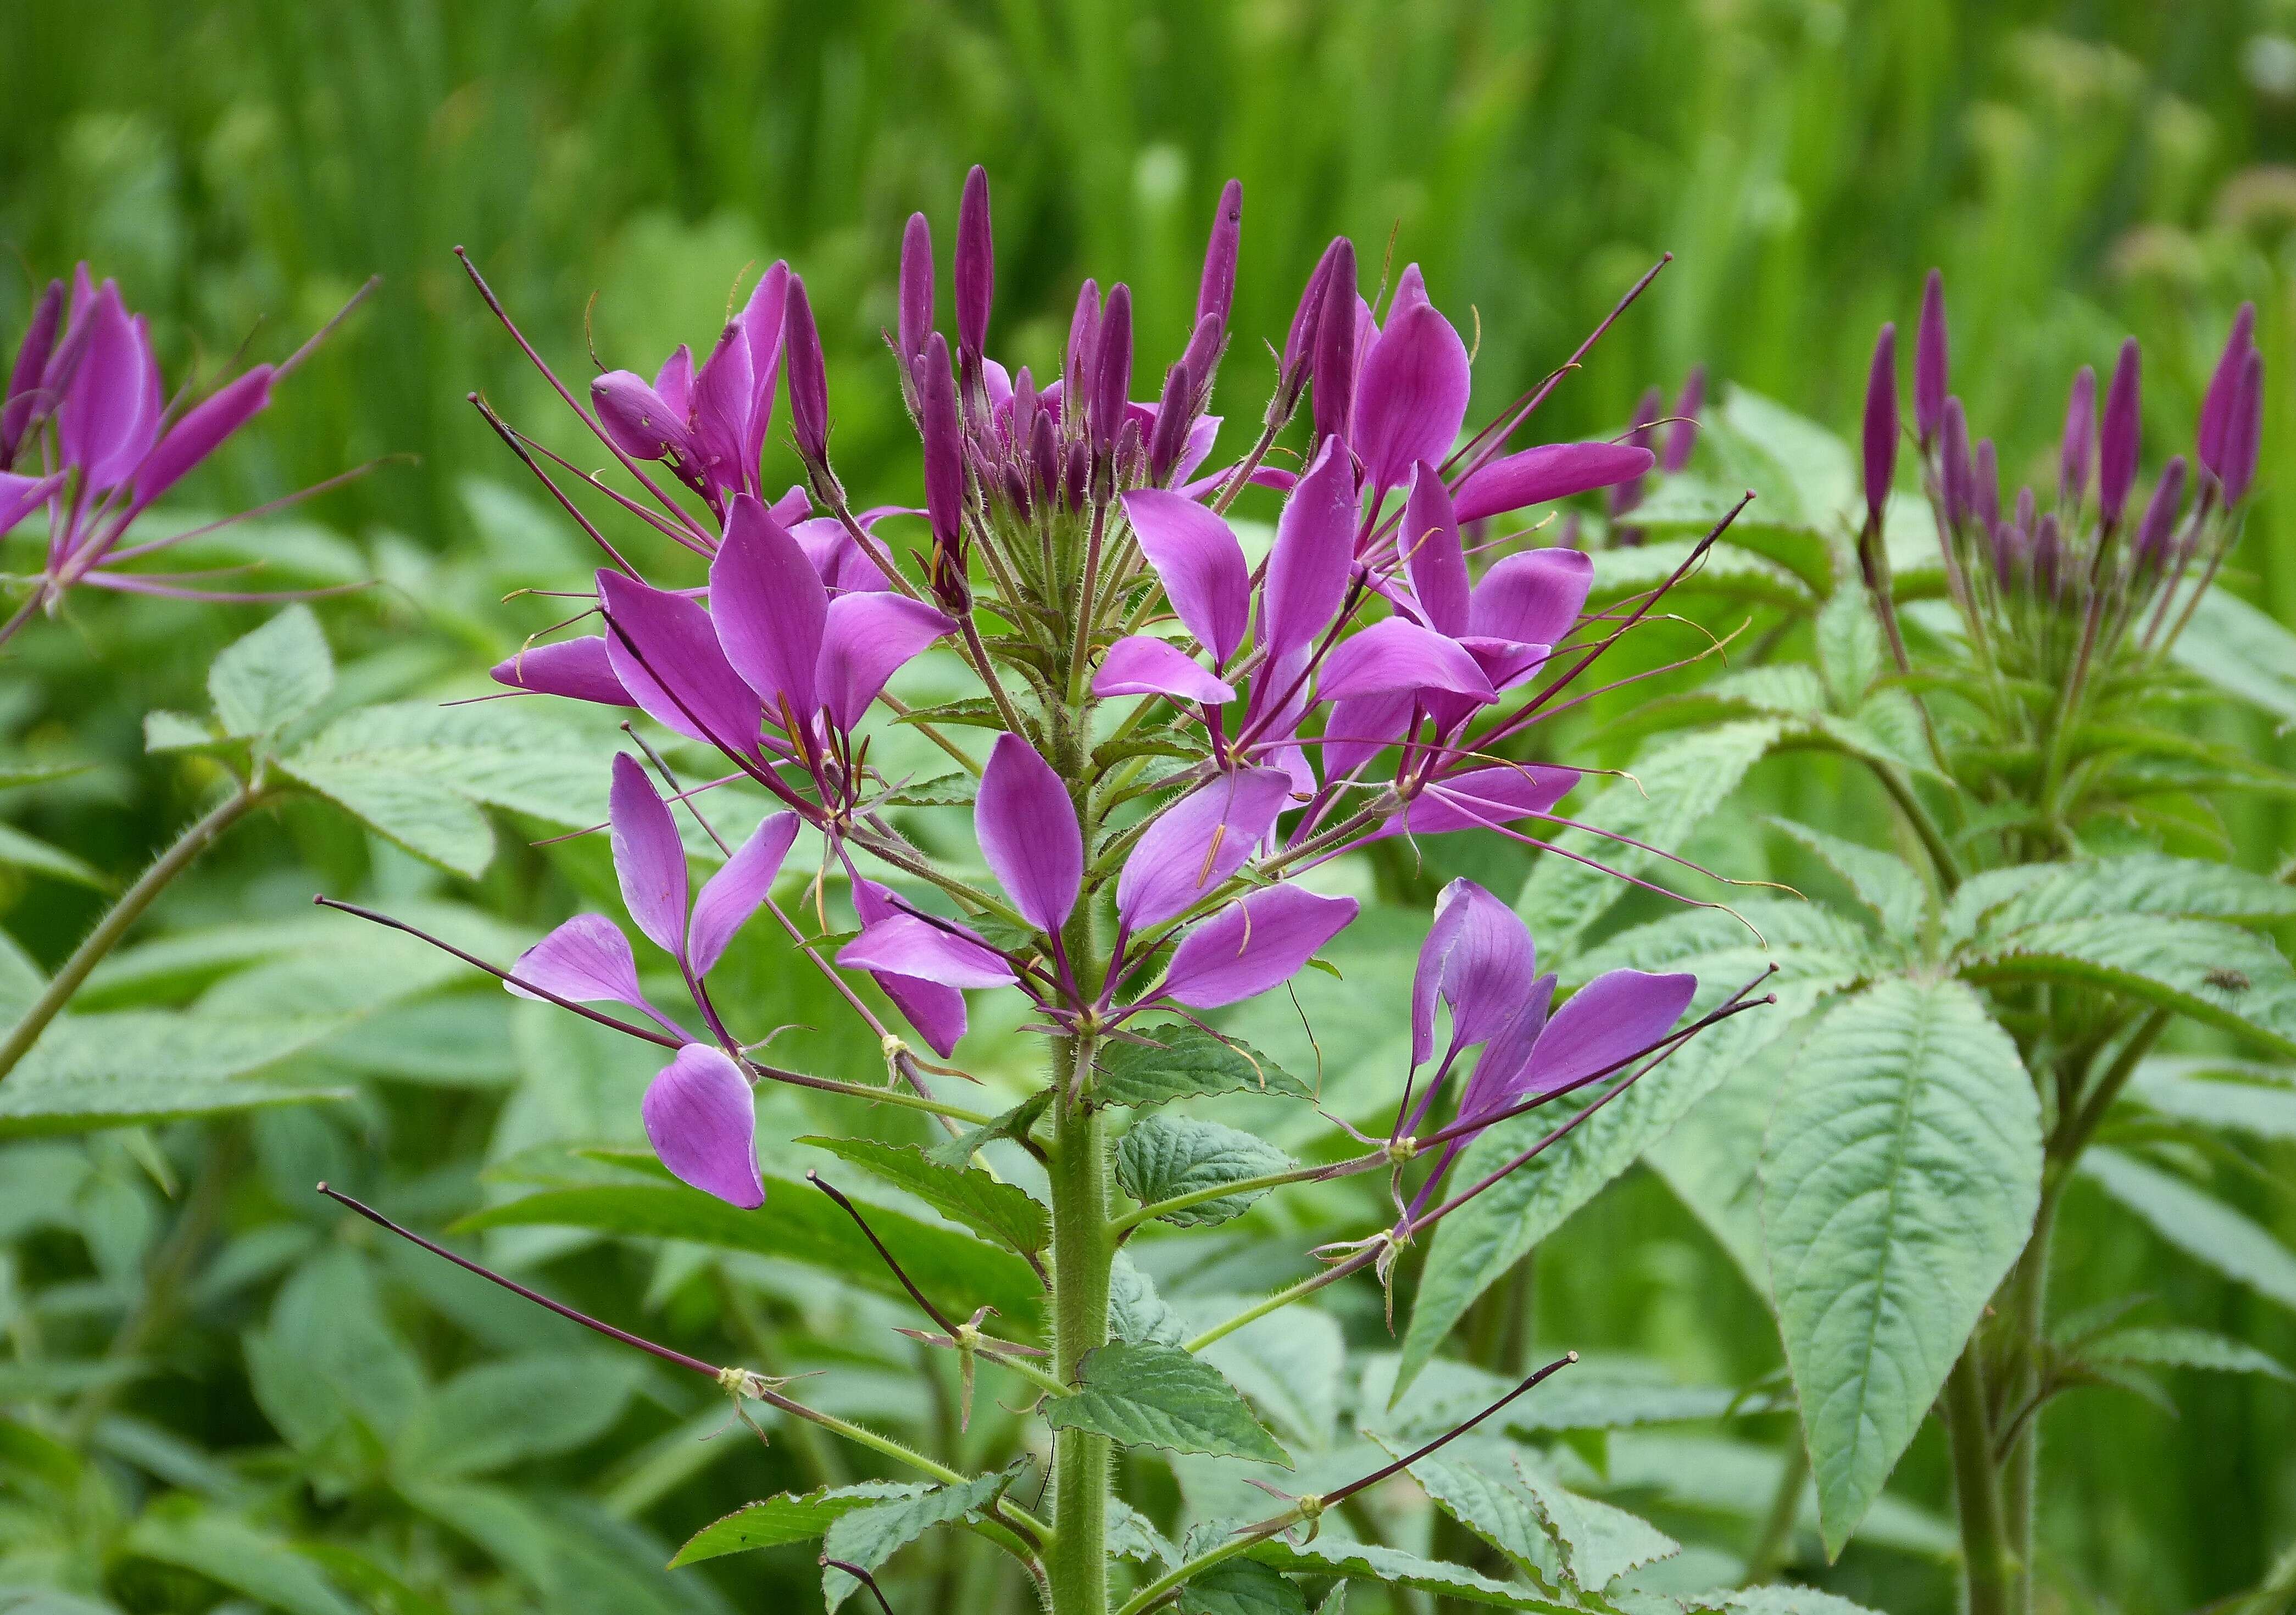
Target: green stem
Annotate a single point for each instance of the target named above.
(1933, 841)
(123, 914)
(1283, 1298)
(1083, 1248)
(1984, 1548)
(1246, 1185)
(1147, 1597)
(1774, 1547)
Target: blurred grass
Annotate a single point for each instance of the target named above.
(2078, 170)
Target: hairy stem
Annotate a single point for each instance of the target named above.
(1083, 1247)
(1977, 1494)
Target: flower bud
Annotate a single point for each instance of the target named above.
(1682, 437)
(1083, 354)
(2048, 552)
(2116, 467)
(2224, 390)
(2159, 524)
(1174, 416)
(2080, 445)
(23, 405)
(1113, 370)
(1215, 292)
(809, 379)
(944, 440)
(1986, 490)
(1299, 343)
(2245, 431)
(1335, 344)
(1203, 359)
(1880, 433)
(917, 288)
(1930, 362)
(1959, 475)
(976, 266)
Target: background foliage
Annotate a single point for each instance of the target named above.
(2080, 171)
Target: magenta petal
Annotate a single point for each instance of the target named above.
(110, 413)
(721, 409)
(1202, 565)
(1358, 729)
(675, 382)
(1395, 655)
(585, 960)
(761, 322)
(1411, 396)
(1433, 557)
(1197, 843)
(1478, 959)
(648, 859)
(1612, 1018)
(1551, 471)
(579, 668)
(1505, 662)
(1028, 834)
(866, 639)
(907, 946)
(1534, 597)
(663, 650)
(19, 497)
(1258, 943)
(1307, 565)
(731, 896)
(1140, 664)
(937, 1012)
(702, 1120)
(1481, 797)
(769, 608)
(640, 420)
(1497, 1081)
(201, 431)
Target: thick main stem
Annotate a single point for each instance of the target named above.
(115, 923)
(1977, 1492)
(1083, 1247)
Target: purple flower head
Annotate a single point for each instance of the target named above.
(975, 273)
(1476, 961)
(2117, 446)
(1682, 437)
(1880, 433)
(917, 302)
(1930, 362)
(2223, 396)
(2078, 449)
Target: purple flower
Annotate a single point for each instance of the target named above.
(702, 1121)
(1682, 437)
(2158, 526)
(1200, 563)
(1550, 472)
(1215, 290)
(2243, 435)
(2117, 444)
(2223, 396)
(1254, 945)
(1881, 434)
(1335, 380)
(1028, 834)
(1412, 394)
(1196, 844)
(976, 267)
(2078, 447)
(916, 316)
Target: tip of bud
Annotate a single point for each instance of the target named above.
(323, 1186)
(1570, 1357)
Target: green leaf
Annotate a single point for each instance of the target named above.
(2242, 651)
(1777, 1599)
(977, 711)
(868, 1537)
(1901, 1177)
(1164, 1157)
(791, 1517)
(2201, 1225)
(1186, 1062)
(1474, 1481)
(1850, 652)
(1136, 1314)
(235, 1554)
(429, 819)
(1712, 1158)
(1777, 689)
(275, 676)
(2000, 902)
(2255, 1101)
(1152, 1395)
(88, 1072)
(2181, 1348)
(21, 851)
(1242, 1587)
(506, 1412)
(2215, 973)
(1727, 572)
(1131, 1535)
(1670, 791)
(1882, 881)
(965, 1195)
(1289, 1364)
(1595, 1394)
(1599, 1542)
(1013, 1124)
(799, 1225)
(48, 1601)
(181, 732)
(954, 790)
(1369, 1561)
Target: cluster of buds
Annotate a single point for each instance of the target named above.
(89, 434)
(2048, 593)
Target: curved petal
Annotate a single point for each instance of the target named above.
(761, 323)
(866, 639)
(1481, 797)
(587, 960)
(19, 497)
(1532, 598)
(1433, 557)
(731, 896)
(641, 421)
(1395, 655)
(1028, 834)
(721, 411)
(1612, 1018)
(1197, 843)
(907, 946)
(201, 431)
(111, 411)
(1478, 959)
(1360, 728)
(1202, 565)
(1140, 664)
(769, 608)
(663, 649)
(1411, 395)
(702, 1121)
(937, 1012)
(580, 669)
(1551, 471)
(1258, 943)
(648, 859)
(1308, 564)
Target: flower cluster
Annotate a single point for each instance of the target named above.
(87, 414)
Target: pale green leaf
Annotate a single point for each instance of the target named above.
(1186, 1062)
(2001, 902)
(868, 1537)
(2215, 973)
(93, 1071)
(1779, 1599)
(1289, 1364)
(1242, 1587)
(2176, 1347)
(235, 1554)
(1131, 1535)
(426, 817)
(179, 731)
(1474, 1481)
(1882, 881)
(2201, 1225)
(1849, 649)
(1711, 1159)
(508, 1412)
(965, 1195)
(1730, 572)
(1164, 1157)
(29, 853)
(1901, 1177)
(2242, 651)
(791, 1517)
(1369, 1561)
(2206, 1092)
(272, 676)
(1596, 1393)
(1599, 1542)
(1150, 1394)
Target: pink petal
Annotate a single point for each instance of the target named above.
(1307, 565)
(1551, 471)
(937, 1012)
(1395, 655)
(1478, 958)
(1359, 729)
(1029, 834)
(1411, 395)
(1534, 597)
(1481, 798)
(201, 431)
(110, 413)
(1202, 565)
(1197, 843)
(648, 859)
(843, 567)
(1506, 663)
(721, 411)
(702, 1120)
(675, 382)
(907, 946)
(581, 669)
(1497, 1081)
(19, 497)
(1140, 664)
(760, 321)
(1434, 556)
(587, 960)
(663, 650)
(770, 609)
(866, 639)
(1258, 943)
(1610, 1019)
(735, 892)
(643, 423)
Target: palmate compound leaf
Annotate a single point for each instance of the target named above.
(1884, 882)
(868, 1537)
(791, 1517)
(1000, 1211)
(2201, 1225)
(272, 676)
(1900, 1175)
(1816, 952)
(1152, 1395)
(1186, 1062)
(1164, 1157)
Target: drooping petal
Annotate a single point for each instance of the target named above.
(201, 432)
(1307, 565)
(907, 946)
(643, 423)
(731, 896)
(1253, 944)
(1533, 597)
(866, 639)
(1028, 830)
(1395, 655)
(1481, 798)
(1412, 396)
(769, 608)
(936, 1011)
(1478, 959)
(1202, 565)
(1140, 665)
(702, 1121)
(578, 668)
(1433, 557)
(19, 497)
(1551, 471)
(663, 649)
(1612, 1018)
(648, 859)
(1197, 843)
(587, 960)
